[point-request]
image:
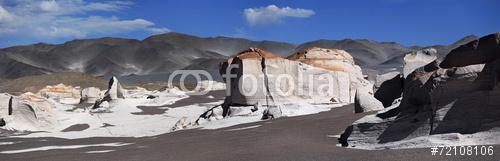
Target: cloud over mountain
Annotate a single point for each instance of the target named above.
(273, 14)
(68, 19)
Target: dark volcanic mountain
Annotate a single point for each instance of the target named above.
(165, 53)
(114, 56)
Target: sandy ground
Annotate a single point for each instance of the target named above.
(296, 138)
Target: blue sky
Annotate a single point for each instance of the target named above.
(410, 22)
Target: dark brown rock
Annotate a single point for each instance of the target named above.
(481, 51)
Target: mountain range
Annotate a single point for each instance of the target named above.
(159, 55)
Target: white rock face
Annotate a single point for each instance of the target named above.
(418, 59)
(90, 95)
(330, 59)
(365, 102)
(267, 79)
(4, 104)
(337, 61)
(62, 93)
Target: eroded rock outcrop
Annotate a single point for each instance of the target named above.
(313, 75)
(445, 103)
(483, 50)
(334, 60)
(330, 59)
(295, 79)
(26, 112)
(115, 91)
(61, 93)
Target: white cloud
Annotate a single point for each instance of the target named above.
(68, 19)
(68, 7)
(4, 15)
(273, 14)
(50, 6)
(159, 30)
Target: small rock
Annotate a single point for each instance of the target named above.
(334, 100)
(181, 124)
(272, 112)
(90, 95)
(2, 122)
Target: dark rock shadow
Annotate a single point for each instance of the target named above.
(76, 127)
(390, 90)
(403, 127)
(477, 109)
(193, 99)
(391, 113)
(80, 106)
(104, 125)
(344, 136)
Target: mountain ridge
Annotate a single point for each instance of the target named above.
(165, 53)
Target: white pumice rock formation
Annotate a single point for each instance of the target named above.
(115, 89)
(62, 93)
(314, 75)
(336, 61)
(27, 112)
(49, 117)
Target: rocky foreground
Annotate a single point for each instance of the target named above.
(311, 137)
(450, 101)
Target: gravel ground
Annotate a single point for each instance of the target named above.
(296, 138)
